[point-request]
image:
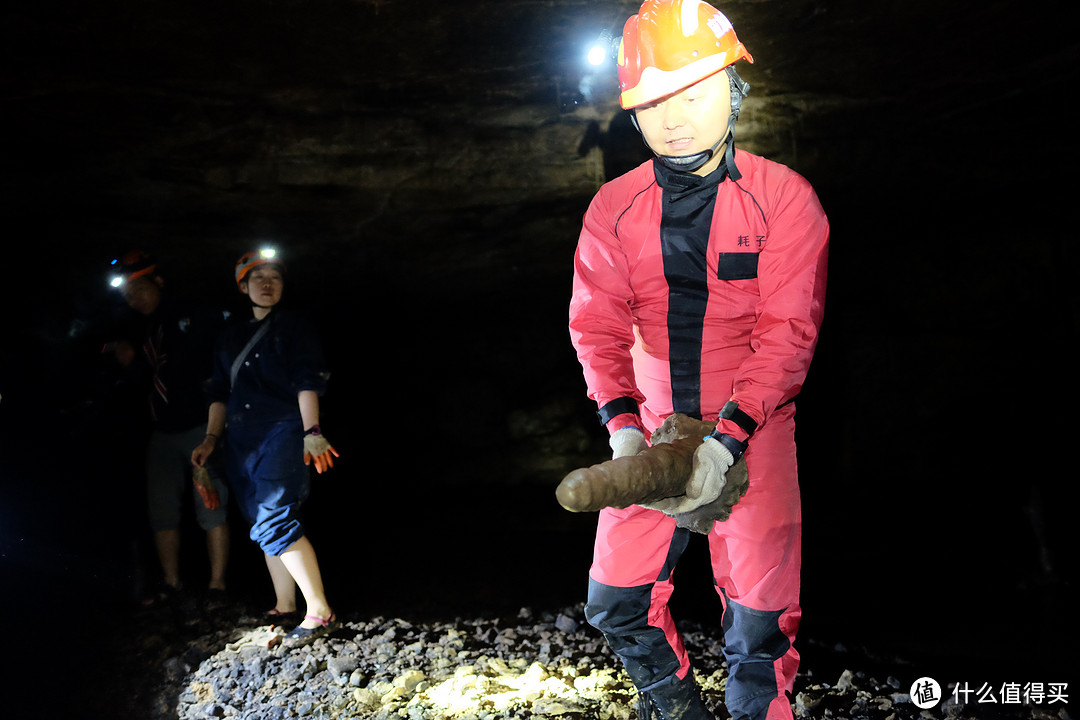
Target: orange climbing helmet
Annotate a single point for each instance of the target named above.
(251, 260)
(131, 265)
(672, 44)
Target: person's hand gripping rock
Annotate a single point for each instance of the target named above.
(626, 442)
(707, 479)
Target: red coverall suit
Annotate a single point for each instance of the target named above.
(689, 292)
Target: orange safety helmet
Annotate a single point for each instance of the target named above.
(672, 44)
(251, 260)
(132, 264)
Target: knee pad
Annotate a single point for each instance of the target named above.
(622, 615)
(753, 642)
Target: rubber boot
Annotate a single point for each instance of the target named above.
(680, 700)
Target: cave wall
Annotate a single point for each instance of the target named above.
(425, 165)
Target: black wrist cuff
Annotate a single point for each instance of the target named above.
(731, 411)
(618, 406)
(735, 447)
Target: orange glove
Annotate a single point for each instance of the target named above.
(318, 449)
(206, 488)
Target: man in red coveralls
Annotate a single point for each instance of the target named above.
(699, 287)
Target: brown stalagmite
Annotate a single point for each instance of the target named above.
(657, 472)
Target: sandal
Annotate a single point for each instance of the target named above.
(301, 635)
(279, 615)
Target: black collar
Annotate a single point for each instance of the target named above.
(683, 184)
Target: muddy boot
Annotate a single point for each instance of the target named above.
(680, 700)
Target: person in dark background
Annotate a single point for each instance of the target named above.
(171, 355)
(620, 144)
(268, 376)
(699, 289)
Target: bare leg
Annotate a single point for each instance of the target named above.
(217, 546)
(304, 567)
(168, 551)
(284, 585)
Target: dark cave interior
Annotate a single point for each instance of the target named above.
(420, 161)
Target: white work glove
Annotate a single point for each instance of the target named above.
(707, 479)
(626, 442)
(318, 450)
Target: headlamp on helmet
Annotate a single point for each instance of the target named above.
(251, 260)
(129, 266)
(603, 49)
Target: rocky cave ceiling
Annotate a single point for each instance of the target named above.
(365, 134)
(155, 111)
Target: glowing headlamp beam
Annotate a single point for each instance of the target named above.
(602, 49)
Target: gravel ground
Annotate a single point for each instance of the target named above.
(190, 661)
